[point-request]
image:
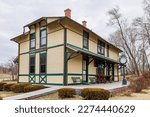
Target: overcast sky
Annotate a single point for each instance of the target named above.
(14, 14)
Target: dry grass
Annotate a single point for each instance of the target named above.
(7, 93)
(144, 95)
(5, 76)
(54, 96)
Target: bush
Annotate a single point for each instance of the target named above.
(30, 88)
(95, 94)
(6, 87)
(146, 74)
(1, 86)
(138, 84)
(18, 88)
(66, 92)
(1, 98)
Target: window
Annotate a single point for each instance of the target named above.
(32, 64)
(43, 62)
(43, 37)
(101, 47)
(32, 41)
(107, 50)
(85, 39)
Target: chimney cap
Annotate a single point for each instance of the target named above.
(84, 21)
(67, 9)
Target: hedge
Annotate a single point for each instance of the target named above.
(1, 86)
(33, 88)
(6, 87)
(95, 94)
(18, 88)
(66, 92)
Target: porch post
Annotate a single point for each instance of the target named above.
(112, 72)
(87, 69)
(65, 58)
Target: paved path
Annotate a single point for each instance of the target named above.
(52, 89)
(33, 94)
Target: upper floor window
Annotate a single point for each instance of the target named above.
(85, 39)
(43, 37)
(43, 62)
(101, 47)
(32, 64)
(32, 41)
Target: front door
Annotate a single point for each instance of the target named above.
(85, 69)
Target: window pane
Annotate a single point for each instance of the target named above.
(32, 64)
(32, 40)
(32, 36)
(33, 43)
(43, 63)
(43, 37)
(43, 33)
(85, 39)
(43, 41)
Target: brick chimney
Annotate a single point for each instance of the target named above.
(67, 13)
(84, 23)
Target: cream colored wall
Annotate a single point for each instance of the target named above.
(37, 62)
(74, 38)
(24, 64)
(23, 78)
(92, 69)
(37, 36)
(55, 60)
(56, 38)
(113, 53)
(115, 73)
(55, 79)
(93, 45)
(75, 65)
(24, 47)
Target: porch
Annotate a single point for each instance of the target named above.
(90, 66)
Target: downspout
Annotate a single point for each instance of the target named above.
(65, 70)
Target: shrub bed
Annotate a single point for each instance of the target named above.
(6, 87)
(66, 92)
(95, 94)
(30, 88)
(1, 86)
(18, 88)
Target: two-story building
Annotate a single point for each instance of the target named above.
(55, 49)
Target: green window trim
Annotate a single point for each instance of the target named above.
(100, 48)
(85, 39)
(32, 41)
(32, 64)
(43, 29)
(43, 63)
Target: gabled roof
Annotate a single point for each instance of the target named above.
(40, 19)
(66, 18)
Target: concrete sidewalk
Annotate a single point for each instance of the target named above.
(109, 86)
(33, 94)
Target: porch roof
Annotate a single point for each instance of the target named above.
(91, 54)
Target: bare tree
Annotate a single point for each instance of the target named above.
(12, 67)
(116, 19)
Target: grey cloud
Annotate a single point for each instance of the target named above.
(14, 14)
